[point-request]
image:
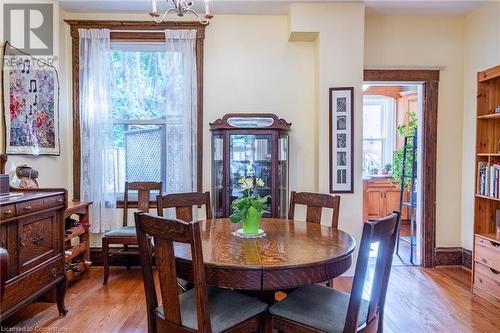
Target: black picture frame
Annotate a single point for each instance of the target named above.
(341, 117)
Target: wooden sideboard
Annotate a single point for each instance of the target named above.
(381, 197)
(32, 232)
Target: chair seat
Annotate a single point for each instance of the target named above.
(227, 308)
(319, 307)
(184, 284)
(128, 231)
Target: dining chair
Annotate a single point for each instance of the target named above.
(126, 235)
(4, 269)
(202, 309)
(317, 308)
(184, 203)
(315, 203)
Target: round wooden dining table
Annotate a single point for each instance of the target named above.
(290, 255)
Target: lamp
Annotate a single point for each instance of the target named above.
(180, 8)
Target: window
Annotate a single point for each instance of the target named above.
(378, 133)
(139, 112)
(188, 145)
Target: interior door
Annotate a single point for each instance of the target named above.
(250, 155)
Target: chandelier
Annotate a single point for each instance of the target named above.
(181, 8)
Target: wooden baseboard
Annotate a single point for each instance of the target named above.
(446, 256)
(457, 256)
(467, 258)
(116, 260)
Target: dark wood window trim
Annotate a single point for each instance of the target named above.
(430, 81)
(132, 31)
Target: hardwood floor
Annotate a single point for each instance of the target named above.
(418, 300)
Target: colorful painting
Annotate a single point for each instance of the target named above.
(31, 94)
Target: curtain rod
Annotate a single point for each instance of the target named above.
(154, 31)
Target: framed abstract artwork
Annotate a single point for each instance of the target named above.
(30, 104)
(341, 140)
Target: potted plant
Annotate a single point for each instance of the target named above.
(387, 169)
(250, 206)
(407, 129)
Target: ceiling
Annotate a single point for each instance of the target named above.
(274, 7)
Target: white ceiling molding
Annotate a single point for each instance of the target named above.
(280, 7)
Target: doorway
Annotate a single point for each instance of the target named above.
(429, 80)
(391, 163)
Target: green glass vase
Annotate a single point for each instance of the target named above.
(251, 221)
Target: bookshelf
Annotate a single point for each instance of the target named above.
(486, 266)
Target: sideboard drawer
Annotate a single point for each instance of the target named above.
(38, 240)
(31, 283)
(487, 252)
(27, 207)
(487, 279)
(54, 201)
(7, 211)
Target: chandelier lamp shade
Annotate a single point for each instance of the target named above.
(180, 8)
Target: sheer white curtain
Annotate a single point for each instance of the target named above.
(97, 182)
(181, 110)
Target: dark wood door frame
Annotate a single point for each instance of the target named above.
(430, 82)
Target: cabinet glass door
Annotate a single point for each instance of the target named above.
(250, 156)
(218, 174)
(283, 175)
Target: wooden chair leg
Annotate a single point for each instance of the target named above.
(268, 326)
(105, 259)
(125, 249)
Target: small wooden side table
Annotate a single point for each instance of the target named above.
(82, 250)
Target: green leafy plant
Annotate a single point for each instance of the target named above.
(388, 167)
(249, 200)
(407, 129)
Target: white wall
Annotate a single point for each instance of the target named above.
(251, 67)
(54, 170)
(430, 41)
(482, 51)
(339, 63)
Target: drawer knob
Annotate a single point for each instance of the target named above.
(53, 272)
(60, 200)
(9, 212)
(28, 207)
(38, 239)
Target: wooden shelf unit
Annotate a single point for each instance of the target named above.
(486, 274)
(82, 250)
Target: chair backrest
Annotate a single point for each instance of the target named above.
(315, 202)
(385, 232)
(183, 204)
(164, 232)
(4, 269)
(143, 196)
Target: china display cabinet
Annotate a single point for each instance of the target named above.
(250, 145)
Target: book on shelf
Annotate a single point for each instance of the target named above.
(488, 179)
